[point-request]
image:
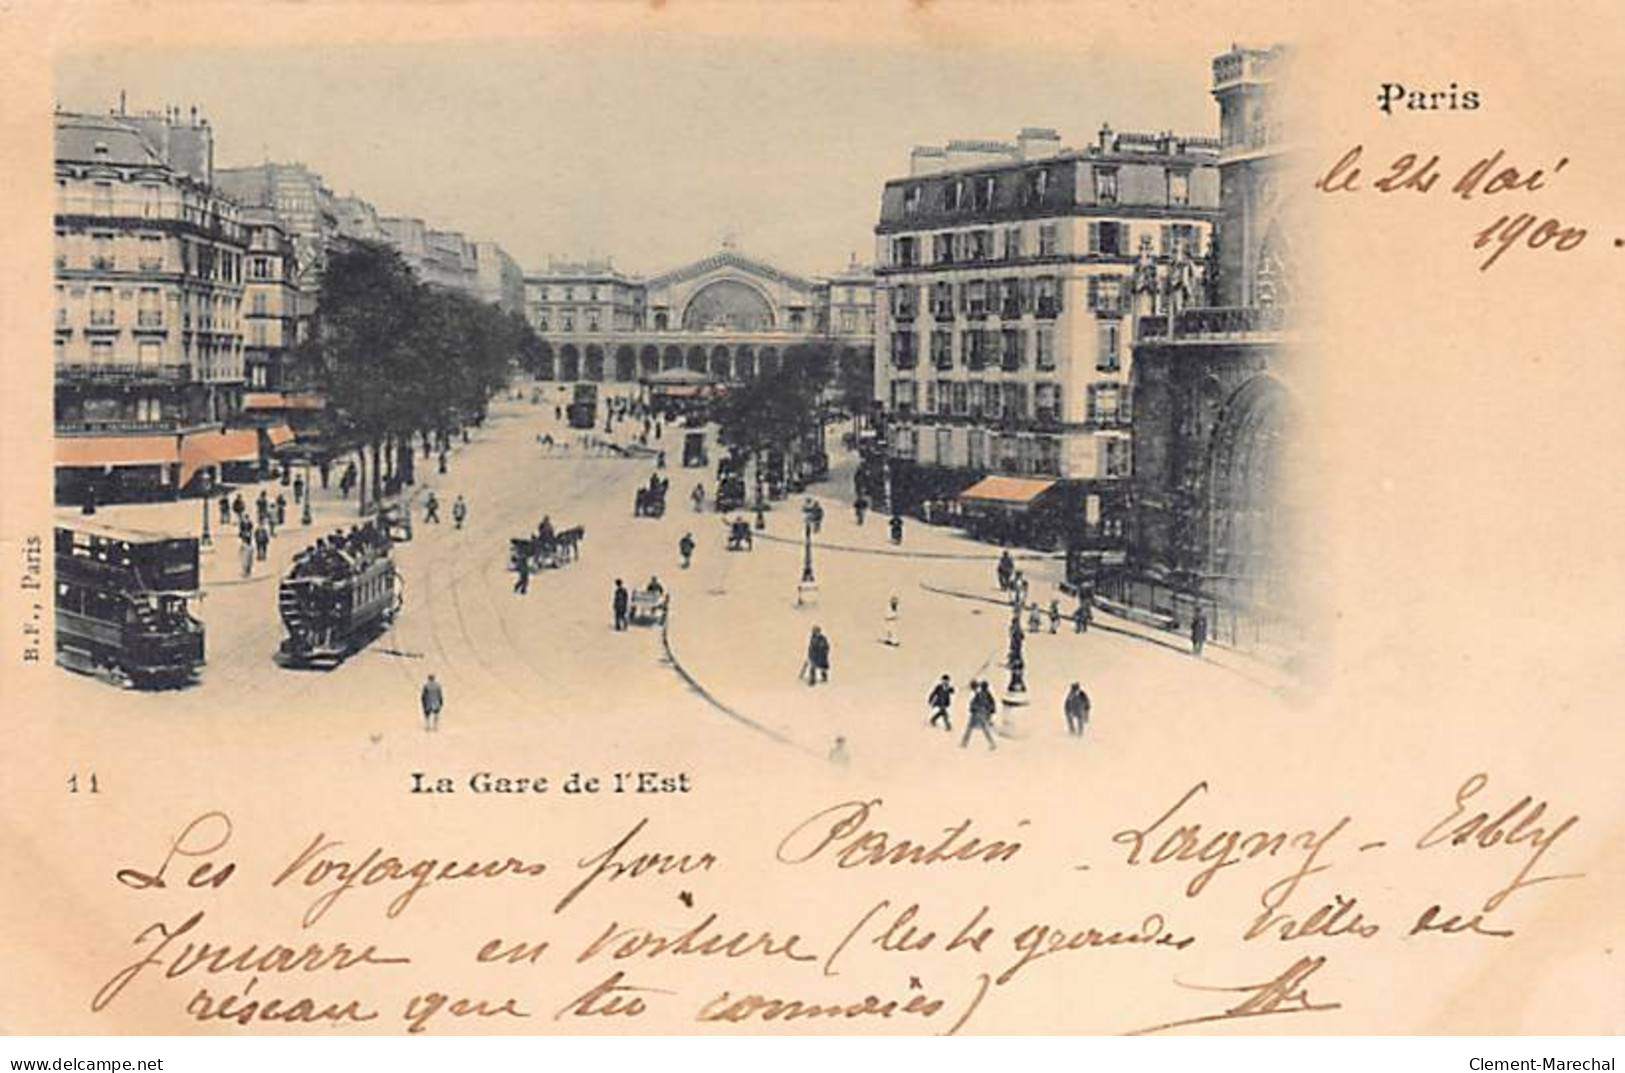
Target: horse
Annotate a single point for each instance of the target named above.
(568, 543)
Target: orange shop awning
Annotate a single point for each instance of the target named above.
(1005, 491)
(100, 451)
(201, 449)
(279, 435)
(277, 400)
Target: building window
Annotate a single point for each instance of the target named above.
(977, 392)
(906, 442)
(1010, 299)
(1048, 240)
(1106, 186)
(1037, 185)
(902, 396)
(903, 352)
(985, 187)
(569, 321)
(905, 252)
(942, 301)
(942, 248)
(976, 449)
(1180, 238)
(942, 349)
(911, 201)
(1015, 401)
(101, 351)
(1048, 297)
(976, 298)
(1108, 357)
(955, 195)
(904, 301)
(1116, 459)
(945, 445)
(1108, 238)
(1179, 188)
(849, 321)
(959, 402)
(1013, 352)
(797, 320)
(1009, 454)
(1047, 456)
(1045, 335)
(1012, 243)
(1047, 401)
(147, 353)
(981, 245)
(1107, 294)
(1104, 402)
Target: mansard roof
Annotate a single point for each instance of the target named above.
(78, 136)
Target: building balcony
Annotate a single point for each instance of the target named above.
(101, 264)
(102, 321)
(149, 320)
(122, 372)
(1048, 308)
(1228, 321)
(118, 425)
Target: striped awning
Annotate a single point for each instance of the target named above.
(102, 451)
(1005, 491)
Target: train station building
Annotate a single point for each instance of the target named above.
(727, 317)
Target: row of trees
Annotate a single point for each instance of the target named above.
(785, 410)
(400, 361)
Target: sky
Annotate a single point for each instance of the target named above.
(648, 148)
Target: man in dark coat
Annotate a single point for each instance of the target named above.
(896, 528)
(982, 707)
(1198, 632)
(685, 548)
(619, 604)
(1007, 570)
(1076, 709)
(817, 657)
(942, 695)
(432, 699)
(521, 584)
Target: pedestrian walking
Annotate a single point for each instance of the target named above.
(1054, 614)
(432, 699)
(245, 541)
(685, 548)
(459, 512)
(860, 507)
(521, 584)
(299, 489)
(1035, 619)
(238, 507)
(1084, 613)
(896, 528)
(1007, 571)
(619, 603)
(892, 616)
(1076, 708)
(940, 700)
(1198, 632)
(697, 497)
(262, 541)
(281, 509)
(262, 508)
(980, 718)
(817, 666)
(431, 510)
(225, 508)
(442, 460)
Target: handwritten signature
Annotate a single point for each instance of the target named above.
(1286, 993)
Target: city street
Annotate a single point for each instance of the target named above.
(525, 674)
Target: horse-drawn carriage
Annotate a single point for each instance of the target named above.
(740, 538)
(546, 550)
(648, 607)
(650, 501)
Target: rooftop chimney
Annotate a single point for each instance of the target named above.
(1036, 143)
(927, 160)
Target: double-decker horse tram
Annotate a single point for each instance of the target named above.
(123, 605)
(339, 594)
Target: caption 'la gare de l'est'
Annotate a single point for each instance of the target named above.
(621, 782)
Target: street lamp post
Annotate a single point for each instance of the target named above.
(807, 590)
(206, 540)
(304, 510)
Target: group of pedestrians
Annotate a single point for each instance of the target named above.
(254, 535)
(431, 510)
(982, 707)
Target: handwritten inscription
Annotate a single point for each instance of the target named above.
(1490, 176)
(928, 962)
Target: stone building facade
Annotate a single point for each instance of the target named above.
(149, 284)
(1007, 276)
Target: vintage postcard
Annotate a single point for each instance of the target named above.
(745, 518)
